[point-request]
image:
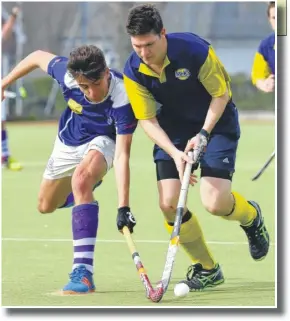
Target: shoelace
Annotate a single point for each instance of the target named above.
(193, 271)
(253, 231)
(77, 274)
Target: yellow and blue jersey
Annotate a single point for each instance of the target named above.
(180, 96)
(83, 120)
(264, 61)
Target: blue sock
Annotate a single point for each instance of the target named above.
(85, 220)
(5, 149)
(70, 201)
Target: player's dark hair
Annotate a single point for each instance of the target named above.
(271, 5)
(87, 61)
(143, 19)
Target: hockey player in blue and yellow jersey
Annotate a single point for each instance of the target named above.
(180, 93)
(95, 133)
(263, 70)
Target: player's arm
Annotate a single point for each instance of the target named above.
(9, 24)
(122, 174)
(122, 168)
(215, 79)
(144, 107)
(126, 124)
(261, 74)
(37, 59)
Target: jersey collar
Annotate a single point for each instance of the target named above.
(144, 69)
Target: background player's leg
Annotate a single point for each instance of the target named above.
(7, 160)
(4, 141)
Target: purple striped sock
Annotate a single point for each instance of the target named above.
(4, 143)
(85, 219)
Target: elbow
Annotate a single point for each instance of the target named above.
(38, 54)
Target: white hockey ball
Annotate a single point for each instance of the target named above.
(181, 290)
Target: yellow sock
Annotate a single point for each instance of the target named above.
(243, 212)
(192, 241)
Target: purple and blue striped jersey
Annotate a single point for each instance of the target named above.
(83, 120)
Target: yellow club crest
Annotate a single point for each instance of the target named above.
(182, 73)
(74, 106)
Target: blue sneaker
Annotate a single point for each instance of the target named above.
(81, 282)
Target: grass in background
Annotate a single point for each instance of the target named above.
(37, 250)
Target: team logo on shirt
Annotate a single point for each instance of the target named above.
(182, 73)
(74, 106)
(109, 120)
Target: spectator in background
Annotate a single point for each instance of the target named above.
(8, 161)
(263, 71)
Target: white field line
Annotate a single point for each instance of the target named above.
(19, 239)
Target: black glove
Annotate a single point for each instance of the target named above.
(125, 218)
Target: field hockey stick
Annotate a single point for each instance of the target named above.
(261, 171)
(137, 260)
(156, 295)
(175, 235)
(11, 94)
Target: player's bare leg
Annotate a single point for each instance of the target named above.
(85, 222)
(219, 200)
(53, 194)
(203, 271)
(57, 193)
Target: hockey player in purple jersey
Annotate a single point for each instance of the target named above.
(95, 133)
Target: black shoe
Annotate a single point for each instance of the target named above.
(197, 278)
(258, 235)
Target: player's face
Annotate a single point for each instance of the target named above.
(151, 48)
(272, 18)
(97, 90)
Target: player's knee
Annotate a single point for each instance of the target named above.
(45, 207)
(214, 209)
(215, 204)
(168, 207)
(81, 182)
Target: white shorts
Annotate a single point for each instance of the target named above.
(64, 159)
